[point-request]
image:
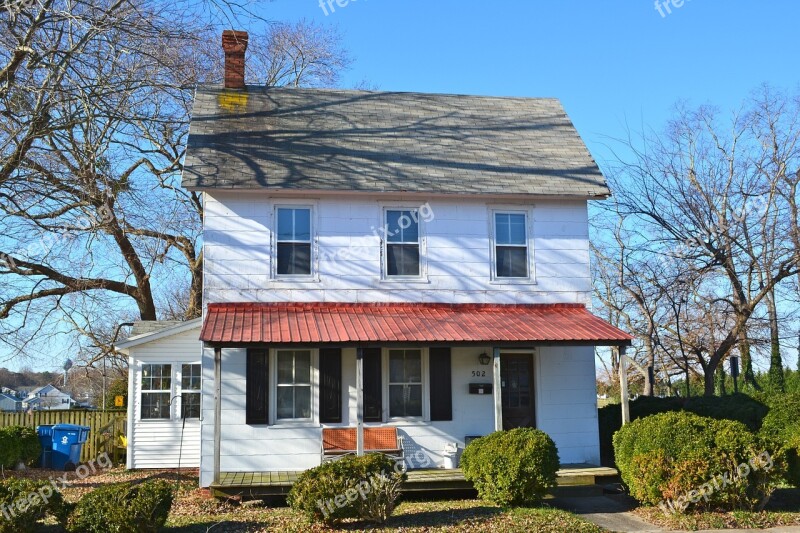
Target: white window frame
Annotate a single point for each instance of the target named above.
(273, 389)
(181, 392)
(426, 410)
(175, 392)
(513, 210)
(313, 274)
(170, 395)
(422, 243)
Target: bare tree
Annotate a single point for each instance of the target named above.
(95, 99)
(722, 197)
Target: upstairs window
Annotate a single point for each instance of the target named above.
(294, 241)
(402, 243)
(511, 245)
(156, 391)
(190, 391)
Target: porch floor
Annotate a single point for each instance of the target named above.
(279, 483)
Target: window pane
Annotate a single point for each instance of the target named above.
(516, 229)
(190, 377)
(285, 367)
(156, 377)
(302, 367)
(501, 228)
(512, 262)
(155, 405)
(302, 224)
(402, 226)
(285, 224)
(396, 366)
(402, 260)
(302, 398)
(510, 228)
(190, 405)
(405, 400)
(413, 367)
(294, 224)
(285, 402)
(294, 259)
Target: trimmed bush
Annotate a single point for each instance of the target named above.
(514, 467)
(782, 427)
(365, 487)
(123, 508)
(23, 502)
(609, 419)
(19, 444)
(680, 459)
(738, 407)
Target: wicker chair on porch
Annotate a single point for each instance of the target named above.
(338, 442)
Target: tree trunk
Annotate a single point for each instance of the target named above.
(708, 382)
(776, 377)
(721, 380)
(748, 376)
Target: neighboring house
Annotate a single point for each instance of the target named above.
(47, 398)
(418, 262)
(10, 402)
(164, 373)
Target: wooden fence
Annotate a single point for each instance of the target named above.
(106, 427)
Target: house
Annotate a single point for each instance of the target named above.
(47, 398)
(164, 370)
(9, 402)
(411, 262)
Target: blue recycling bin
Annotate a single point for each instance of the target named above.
(45, 434)
(68, 442)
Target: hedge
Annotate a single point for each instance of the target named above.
(680, 460)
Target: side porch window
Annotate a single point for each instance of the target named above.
(161, 384)
(156, 391)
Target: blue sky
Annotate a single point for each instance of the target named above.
(611, 62)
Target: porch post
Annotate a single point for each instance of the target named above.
(217, 409)
(497, 391)
(359, 401)
(623, 385)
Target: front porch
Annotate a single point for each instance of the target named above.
(571, 478)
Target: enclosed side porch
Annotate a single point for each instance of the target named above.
(280, 375)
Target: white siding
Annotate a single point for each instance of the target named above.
(237, 259)
(566, 401)
(457, 250)
(162, 443)
(565, 409)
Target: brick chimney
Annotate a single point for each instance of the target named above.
(234, 43)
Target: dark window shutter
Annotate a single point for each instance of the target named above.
(257, 410)
(373, 387)
(441, 386)
(330, 382)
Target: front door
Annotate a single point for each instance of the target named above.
(516, 380)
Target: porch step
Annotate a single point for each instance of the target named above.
(573, 480)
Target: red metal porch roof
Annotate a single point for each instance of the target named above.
(311, 323)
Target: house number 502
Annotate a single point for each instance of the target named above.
(479, 373)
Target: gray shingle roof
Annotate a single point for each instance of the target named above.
(336, 140)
